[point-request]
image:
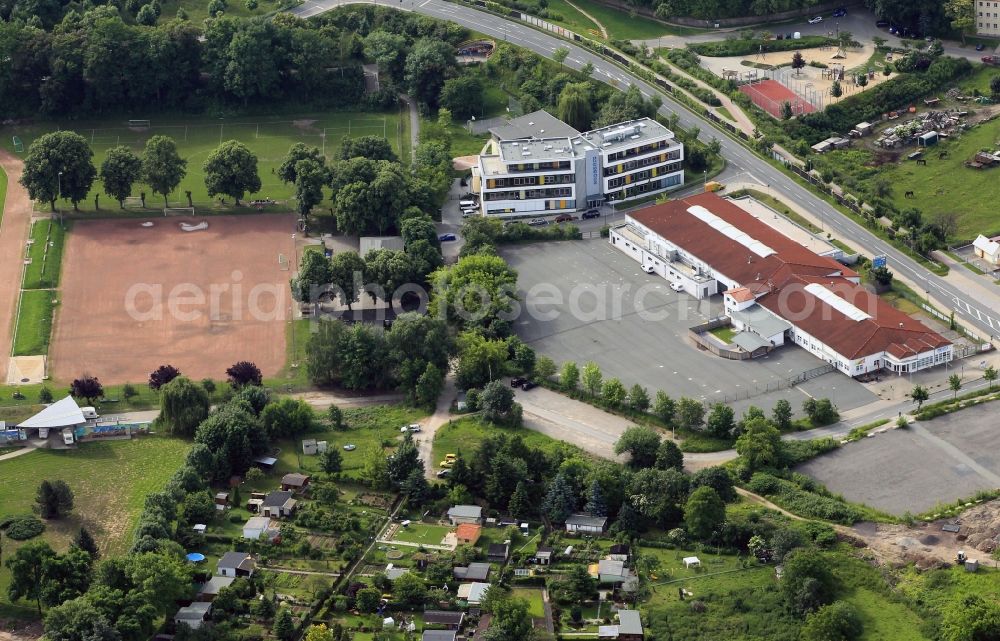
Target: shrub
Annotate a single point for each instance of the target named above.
(24, 527)
(747, 47)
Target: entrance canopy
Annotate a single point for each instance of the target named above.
(64, 413)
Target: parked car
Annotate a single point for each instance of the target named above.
(443, 474)
(816, 20)
(527, 385)
(840, 13)
(538, 222)
(562, 218)
(591, 213)
(649, 269)
(447, 237)
(350, 447)
(446, 463)
(467, 202)
(414, 427)
(467, 214)
(517, 381)
(677, 287)
(980, 47)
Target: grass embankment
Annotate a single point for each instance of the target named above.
(46, 250)
(34, 322)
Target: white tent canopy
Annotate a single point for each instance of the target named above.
(64, 413)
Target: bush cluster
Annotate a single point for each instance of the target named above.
(21, 528)
(743, 47)
(814, 502)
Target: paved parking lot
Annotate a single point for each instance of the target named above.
(949, 458)
(592, 302)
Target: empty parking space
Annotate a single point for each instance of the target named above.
(586, 301)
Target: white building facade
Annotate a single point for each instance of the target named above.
(988, 18)
(560, 174)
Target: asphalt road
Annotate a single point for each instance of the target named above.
(739, 158)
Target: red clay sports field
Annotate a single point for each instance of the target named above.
(770, 94)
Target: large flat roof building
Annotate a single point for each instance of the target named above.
(537, 165)
(776, 289)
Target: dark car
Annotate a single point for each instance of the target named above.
(562, 218)
(446, 237)
(527, 385)
(980, 47)
(591, 213)
(517, 381)
(840, 13)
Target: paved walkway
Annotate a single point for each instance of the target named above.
(740, 118)
(414, 125)
(441, 415)
(14, 229)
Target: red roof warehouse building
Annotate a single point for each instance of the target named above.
(774, 289)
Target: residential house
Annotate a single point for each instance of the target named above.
(629, 628)
(498, 552)
(278, 504)
(465, 514)
(438, 635)
(615, 572)
(988, 249)
(234, 564)
(260, 527)
(473, 593)
(543, 556)
(619, 552)
(472, 572)
(210, 589)
(294, 481)
(221, 500)
(193, 615)
(586, 524)
(468, 533)
(444, 619)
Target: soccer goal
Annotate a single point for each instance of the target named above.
(178, 211)
(138, 124)
(18, 145)
(283, 262)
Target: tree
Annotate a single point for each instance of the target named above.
(479, 359)
(520, 506)
(319, 633)
(569, 376)
(162, 375)
(798, 62)
(366, 600)
(27, 572)
(990, 373)
(971, 618)
(704, 512)
(54, 499)
(390, 270)
(807, 582)
(820, 411)
(388, 50)
(371, 147)
(862, 80)
(314, 276)
(427, 66)
(197, 507)
(835, 622)
(720, 421)
(664, 407)
(545, 368)
(559, 501)
(836, 90)
(463, 96)
(58, 164)
(243, 373)
(717, 478)
(496, 401)
(310, 177)
(347, 276)
(410, 589)
(288, 169)
(119, 171)
(286, 418)
(919, 395)
(429, 386)
(183, 406)
(336, 417)
(511, 620)
(559, 55)
(690, 414)
(573, 106)
(955, 384)
(85, 542)
(78, 620)
(331, 461)
(596, 504)
(781, 414)
(577, 585)
(87, 387)
(759, 444)
(415, 487)
(786, 110)
(638, 398)
(162, 167)
(641, 443)
(613, 392)
(591, 377)
(45, 396)
(962, 15)
(284, 626)
(231, 170)
(995, 87)
(669, 456)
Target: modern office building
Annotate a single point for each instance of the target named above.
(539, 165)
(774, 289)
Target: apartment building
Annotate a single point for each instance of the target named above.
(988, 18)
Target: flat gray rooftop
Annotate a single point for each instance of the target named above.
(626, 134)
(537, 124)
(534, 150)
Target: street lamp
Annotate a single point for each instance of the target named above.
(59, 186)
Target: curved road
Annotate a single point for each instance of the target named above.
(739, 158)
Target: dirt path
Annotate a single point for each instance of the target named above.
(604, 32)
(14, 230)
(441, 415)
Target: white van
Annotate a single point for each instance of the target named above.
(89, 412)
(67, 436)
(467, 203)
(43, 432)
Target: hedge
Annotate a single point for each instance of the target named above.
(21, 528)
(720, 48)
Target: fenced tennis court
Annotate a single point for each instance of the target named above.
(770, 95)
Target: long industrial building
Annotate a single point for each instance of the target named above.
(537, 164)
(774, 289)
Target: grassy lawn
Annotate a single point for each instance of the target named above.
(267, 136)
(46, 255)
(725, 113)
(724, 333)
(623, 26)
(421, 533)
(34, 323)
(110, 481)
(465, 434)
(534, 598)
(572, 19)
